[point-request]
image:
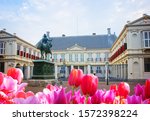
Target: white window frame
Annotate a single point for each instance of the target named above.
(2, 47)
(146, 39)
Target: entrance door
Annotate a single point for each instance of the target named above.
(2, 67)
(136, 70)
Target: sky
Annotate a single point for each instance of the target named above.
(30, 19)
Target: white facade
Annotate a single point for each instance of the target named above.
(15, 52)
(132, 61)
(90, 61)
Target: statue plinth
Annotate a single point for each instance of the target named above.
(43, 69)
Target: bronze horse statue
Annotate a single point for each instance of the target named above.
(45, 46)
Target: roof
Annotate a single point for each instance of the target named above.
(87, 41)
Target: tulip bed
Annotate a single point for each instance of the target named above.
(84, 91)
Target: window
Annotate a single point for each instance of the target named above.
(62, 57)
(18, 49)
(24, 54)
(98, 57)
(92, 70)
(90, 57)
(2, 48)
(146, 38)
(98, 69)
(82, 57)
(76, 57)
(147, 64)
(55, 57)
(70, 57)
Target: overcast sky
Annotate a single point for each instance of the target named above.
(30, 19)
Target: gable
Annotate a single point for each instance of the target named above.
(141, 21)
(76, 47)
(4, 34)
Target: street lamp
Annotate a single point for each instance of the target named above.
(64, 69)
(106, 74)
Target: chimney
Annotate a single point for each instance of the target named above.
(144, 14)
(48, 34)
(108, 31)
(4, 29)
(14, 34)
(63, 35)
(93, 33)
(128, 22)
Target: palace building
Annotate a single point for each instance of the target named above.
(127, 56)
(130, 53)
(88, 53)
(16, 52)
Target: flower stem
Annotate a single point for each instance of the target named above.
(86, 100)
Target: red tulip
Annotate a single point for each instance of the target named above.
(15, 73)
(147, 89)
(75, 77)
(89, 84)
(123, 89)
(114, 87)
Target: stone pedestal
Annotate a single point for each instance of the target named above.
(43, 69)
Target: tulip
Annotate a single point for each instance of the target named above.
(134, 99)
(9, 85)
(89, 84)
(77, 98)
(23, 94)
(114, 87)
(75, 77)
(138, 90)
(15, 73)
(4, 99)
(97, 97)
(147, 89)
(28, 100)
(108, 97)
(1, 78)
(123, 89)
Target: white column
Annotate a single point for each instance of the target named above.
(56, 72)
(66, 71)
(89, 69)
(71, 67)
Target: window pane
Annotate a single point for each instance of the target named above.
(147, 64)
(145, 35)
(146, 43)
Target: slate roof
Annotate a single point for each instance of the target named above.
(87, 41)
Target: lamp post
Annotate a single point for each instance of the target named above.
(106, 74)
(64, 68)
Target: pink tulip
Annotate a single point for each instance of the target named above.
(60, 97)
(77, 98)
(1, 78)
(9, 85)
(42, 98)
(75, 77)
(123, 89)
(97, 97)
(28, 100)
(89, 84)
(138, 90)
(108, 97)
(134, 99)
(15, 73)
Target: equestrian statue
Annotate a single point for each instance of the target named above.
(45, 45)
